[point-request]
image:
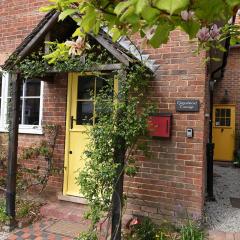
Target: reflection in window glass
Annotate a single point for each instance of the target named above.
(223, 117)
(222, 122)
(85, 87)
(31, 111)
(32, 88)
(228, 122)
(84, 113)
(30, 103)
(88, 88)
(228, 112)
(223, 113)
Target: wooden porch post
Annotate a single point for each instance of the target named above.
(13, 147)
(119, 158)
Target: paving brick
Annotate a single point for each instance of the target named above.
(37, 232)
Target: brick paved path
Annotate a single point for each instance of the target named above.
(37, 231)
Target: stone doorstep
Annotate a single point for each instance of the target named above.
(64, 211)
(72, 199)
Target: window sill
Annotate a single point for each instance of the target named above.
(25, 130)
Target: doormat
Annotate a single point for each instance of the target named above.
(235, 202)
(67, 228)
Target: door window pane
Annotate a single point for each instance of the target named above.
(228, 112)
(228, 122)
(88, 88)
(223, 117)
(223, 113)
(84, 113)
(222, 122)
(85, 87)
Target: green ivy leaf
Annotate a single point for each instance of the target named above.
(66, 13)
(128, 13)
(172, 6)
(233, 3)
(48, 8)
(212, 10)
(140, 6)
(150, 14)
(190, 27)
(89, 19)
(121, 7)
(161, 34)
(78, 33)
(116, 34)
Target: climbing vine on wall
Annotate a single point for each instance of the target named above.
(38, 65)
(97, 180)
(120, 113)
(29, 177)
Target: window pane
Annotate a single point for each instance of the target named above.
(217, 112)
(223, 113)
(85, 87)
(32, 88)
(222, 121)
(228, 112)
(101, 82)
(228, 122)
(31, 111)
(84, 113)
(106, 84)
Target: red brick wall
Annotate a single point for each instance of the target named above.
(18, 17)
(174, 174)
(54, 113)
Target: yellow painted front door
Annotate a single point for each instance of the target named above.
(224, 131)
(82, 90)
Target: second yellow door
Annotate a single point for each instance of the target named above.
(224, 132)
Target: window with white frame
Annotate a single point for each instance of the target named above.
(31, 103)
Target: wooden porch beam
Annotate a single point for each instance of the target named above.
(103, 67)
(109, 47)
(44, 30)
(15, 83)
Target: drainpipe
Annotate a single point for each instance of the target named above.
(210, 144)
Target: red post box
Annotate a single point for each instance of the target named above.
(159, 125)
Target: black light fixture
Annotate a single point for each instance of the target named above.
(225, 98)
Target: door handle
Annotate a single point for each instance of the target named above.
(71, 122)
